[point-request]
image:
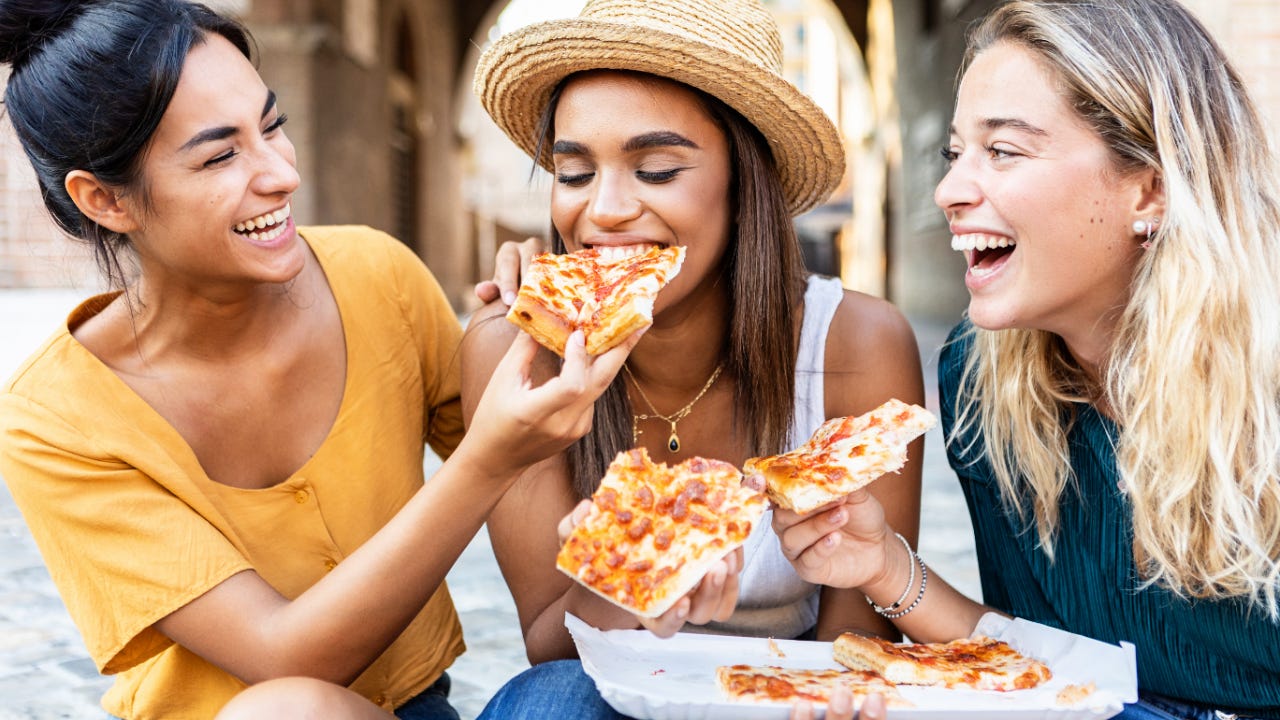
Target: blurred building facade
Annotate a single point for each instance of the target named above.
(379, 96)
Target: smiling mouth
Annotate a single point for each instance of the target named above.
(265, 227)
(984, 251)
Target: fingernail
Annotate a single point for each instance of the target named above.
(837, 517)
(509, 298)
(829, 541)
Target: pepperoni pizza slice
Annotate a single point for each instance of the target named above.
(769, 684)
(608, 293)
(654, 530)
(978, 663)
(843, 455)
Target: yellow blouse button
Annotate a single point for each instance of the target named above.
(380, 700)
(301, 496)
(330, 564)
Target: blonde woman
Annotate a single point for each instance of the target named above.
(1112, 404)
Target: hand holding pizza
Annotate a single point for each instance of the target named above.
(531, 423)
(713, 598)
(846, 544)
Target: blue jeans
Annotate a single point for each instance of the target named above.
(430, 704)
(557, 689)
(1157, 707)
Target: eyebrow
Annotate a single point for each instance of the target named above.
(657, 139)
(226, 131)
(1013, 123)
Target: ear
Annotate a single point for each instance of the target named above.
(1149, 196)
(99, 202)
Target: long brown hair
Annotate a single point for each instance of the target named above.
(764, 271)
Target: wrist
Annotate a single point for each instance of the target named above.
(887, 584)
(891, 588)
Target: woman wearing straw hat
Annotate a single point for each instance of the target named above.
(668, 123)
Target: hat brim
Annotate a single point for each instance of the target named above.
(515, 78)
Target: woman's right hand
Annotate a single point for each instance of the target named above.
(844, 545)
(840, 707)
(517, 424)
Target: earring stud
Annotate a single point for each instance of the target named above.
(1141, 227)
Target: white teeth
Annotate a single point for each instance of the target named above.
(263, 221)
(613, 253)
(979, 241)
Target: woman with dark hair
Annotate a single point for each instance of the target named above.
(221, 460)
(747, 354)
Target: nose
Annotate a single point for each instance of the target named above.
(613, 201)
(276, 172)
(958, 188)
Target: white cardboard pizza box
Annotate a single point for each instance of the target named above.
(647, 677)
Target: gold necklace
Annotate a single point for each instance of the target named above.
(673, 442)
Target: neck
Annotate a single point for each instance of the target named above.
(213, 323)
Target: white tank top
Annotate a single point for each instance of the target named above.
(772, 600)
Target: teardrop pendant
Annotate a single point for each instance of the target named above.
(673, 443)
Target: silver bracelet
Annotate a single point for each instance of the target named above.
(892, 612)
(910, 580)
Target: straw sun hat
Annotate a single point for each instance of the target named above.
(729, 49)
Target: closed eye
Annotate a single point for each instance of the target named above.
(577, 180)
(660, 176)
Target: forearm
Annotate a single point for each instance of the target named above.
(547, 638)
(343, 622)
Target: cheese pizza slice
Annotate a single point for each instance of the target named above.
(608, 293)
(654, 530)
(844, 454)
(977, 663)
(769, 684)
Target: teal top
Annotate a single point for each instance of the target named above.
(1212, 653)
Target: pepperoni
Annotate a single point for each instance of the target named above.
(681, 507)
(643, 498)
(695, 491)
(624, 517)
(606, 499)
(639, 566)
(662, 540)
(637, 531)
(664, 505)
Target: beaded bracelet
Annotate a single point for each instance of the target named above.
(891, 612)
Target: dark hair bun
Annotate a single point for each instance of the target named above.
(25, 25)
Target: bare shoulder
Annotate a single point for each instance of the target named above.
(871, 356)
(488, 333)
(867, 327)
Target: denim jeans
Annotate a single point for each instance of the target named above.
(557, 689)
(1157, 707)
(430, 704)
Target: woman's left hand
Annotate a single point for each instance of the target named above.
(841, 545)
(713, 598)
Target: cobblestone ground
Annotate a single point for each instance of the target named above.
(45, 673)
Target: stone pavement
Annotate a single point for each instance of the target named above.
(45, 672)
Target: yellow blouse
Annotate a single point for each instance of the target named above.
(132, 529)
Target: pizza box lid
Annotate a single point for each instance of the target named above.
(651, 678)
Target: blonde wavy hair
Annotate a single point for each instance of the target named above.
(1192, 376)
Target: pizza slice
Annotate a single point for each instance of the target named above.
(654, 530)
(608, 293)
(843, 454)
(770, 684)
(978, 663)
